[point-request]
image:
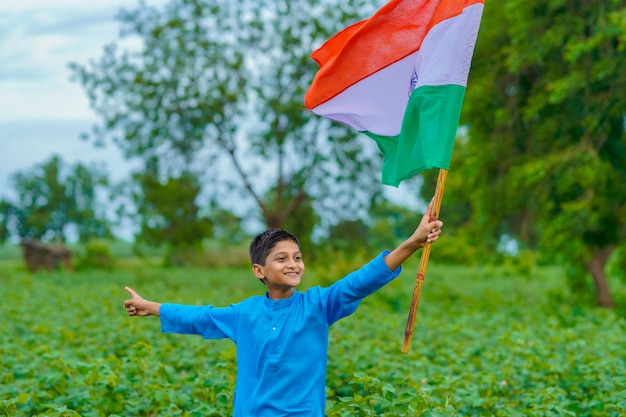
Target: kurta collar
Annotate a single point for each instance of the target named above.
(278, 304)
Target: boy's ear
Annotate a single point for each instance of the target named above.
(258, 271)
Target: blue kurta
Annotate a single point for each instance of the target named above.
(282, 345)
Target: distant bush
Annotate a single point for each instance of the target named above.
(228, 256)
(523, 263)
(334, 265)
(185, 255)
(209, 255)
(97, 255)
(457, 248)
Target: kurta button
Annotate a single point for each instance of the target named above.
(273, 328)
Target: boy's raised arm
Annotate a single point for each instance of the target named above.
(138, 306)
(427, 232)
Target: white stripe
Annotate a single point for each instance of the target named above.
(377, 103)
(446, 53)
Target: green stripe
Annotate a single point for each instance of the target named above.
(427, 136)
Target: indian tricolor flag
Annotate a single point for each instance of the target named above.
(400, 77)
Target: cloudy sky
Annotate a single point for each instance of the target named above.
(42, 112)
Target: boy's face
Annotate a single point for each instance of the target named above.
(283, 269)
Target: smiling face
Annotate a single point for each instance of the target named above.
(283, 269)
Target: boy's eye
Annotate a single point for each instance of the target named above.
(298, 258)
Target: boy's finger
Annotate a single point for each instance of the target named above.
(430, 206)
(132, 292)
(435, 225)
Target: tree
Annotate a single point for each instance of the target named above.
(545, 161)
(170, 215)
(217, 81)
(51, 197)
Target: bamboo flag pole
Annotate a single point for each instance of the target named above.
(421, 272)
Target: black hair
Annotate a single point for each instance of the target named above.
(263, 243)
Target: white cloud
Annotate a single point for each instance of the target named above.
(37, 42)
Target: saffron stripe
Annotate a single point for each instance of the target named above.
(394, 32)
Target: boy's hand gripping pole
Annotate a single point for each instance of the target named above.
(421, 272)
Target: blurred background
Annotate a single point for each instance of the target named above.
(176, 128)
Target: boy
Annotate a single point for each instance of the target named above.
(282, 337)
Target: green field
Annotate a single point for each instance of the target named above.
(488, 342)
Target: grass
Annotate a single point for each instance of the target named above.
(488, 342)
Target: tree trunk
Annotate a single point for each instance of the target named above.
(596, 268)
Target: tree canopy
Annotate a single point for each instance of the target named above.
(544, 159)
(52, 197)
(215, 81)
(170, 216)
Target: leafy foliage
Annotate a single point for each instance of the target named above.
(544, 156)
(50, 198)
(170, 215)
(487, 342)
(96, 255)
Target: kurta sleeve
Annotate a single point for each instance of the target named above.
(344, 296)
(207, 321)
